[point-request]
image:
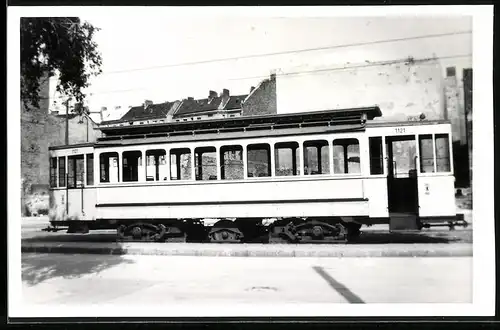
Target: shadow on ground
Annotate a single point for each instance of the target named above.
(445, 236)
(37, 268)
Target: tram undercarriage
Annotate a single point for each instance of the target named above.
(284, 230)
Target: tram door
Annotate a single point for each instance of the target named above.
(402, 185)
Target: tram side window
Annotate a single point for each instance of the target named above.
(316, 157)
(132, 161)
(156, 165)
(180, 164)
(205, 163)
(90, 169)
(108, 163)
(62, 172)
(443, 153)
(426, 153)
(231, 162)
(259, 160)
(376, 156)
(53, 172)
(286, 158)
(346, 157)
(76, 171)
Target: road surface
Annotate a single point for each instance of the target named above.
(84, 280)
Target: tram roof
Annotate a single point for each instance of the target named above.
(244, 121)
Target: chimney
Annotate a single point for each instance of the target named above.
(147, 103)
(273, 76)
(225, 93)
(252, 89)
(190, 98)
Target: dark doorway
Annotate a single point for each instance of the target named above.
(402, 182)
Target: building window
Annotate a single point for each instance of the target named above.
(210, 115)
(231, 115)
(108, 164)
(180, 164)
(156, 165)
(132, 161)
(376, 156)
(346, 158)
(426, 153)
(259, 160)
(286, 158)
(442, 153)
(316, 157)
(198, 118)
(90, 169)
(184, 119)
(232, 162)
(450, 71)
(53, 172)
(62, 171)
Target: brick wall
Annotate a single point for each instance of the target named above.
(263, 99)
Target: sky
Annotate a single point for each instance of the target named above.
(130, 43)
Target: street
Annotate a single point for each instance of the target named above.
(56, 279)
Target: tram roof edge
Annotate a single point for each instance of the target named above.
(370, 112)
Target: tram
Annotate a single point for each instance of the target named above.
(306, 177)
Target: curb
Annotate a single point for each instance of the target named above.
(255, 250)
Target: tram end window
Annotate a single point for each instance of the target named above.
(231, 158)
(376, 155)
(258, 160)
(443, 162)
(62, 171)
(53, 172)
(346, 156)
(90, 169)
(205, 163)
(287, 158)
(76, 171)
(316, 157)
(426, 153)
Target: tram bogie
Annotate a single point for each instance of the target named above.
(303, 178)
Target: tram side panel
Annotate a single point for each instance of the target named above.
(254, 199)
(80, 204)
(437, 196)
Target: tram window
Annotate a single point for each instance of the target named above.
(132, 161)
(286, 158)
(108, 163)
(426, 153)
(180, 164)
(76, 171)
(259, 160)
(346, 156)
(231, 162)
(376, 156)
(90, 169)
(316, 157)
(442, 153)
(53, 172)
(62, 171)
(156, 165)
(205, 163)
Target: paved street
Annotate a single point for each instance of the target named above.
(160, 280)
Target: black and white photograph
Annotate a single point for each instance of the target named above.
(250, 161)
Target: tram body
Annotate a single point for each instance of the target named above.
(350, 174)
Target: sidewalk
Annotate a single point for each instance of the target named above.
(253, 250)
